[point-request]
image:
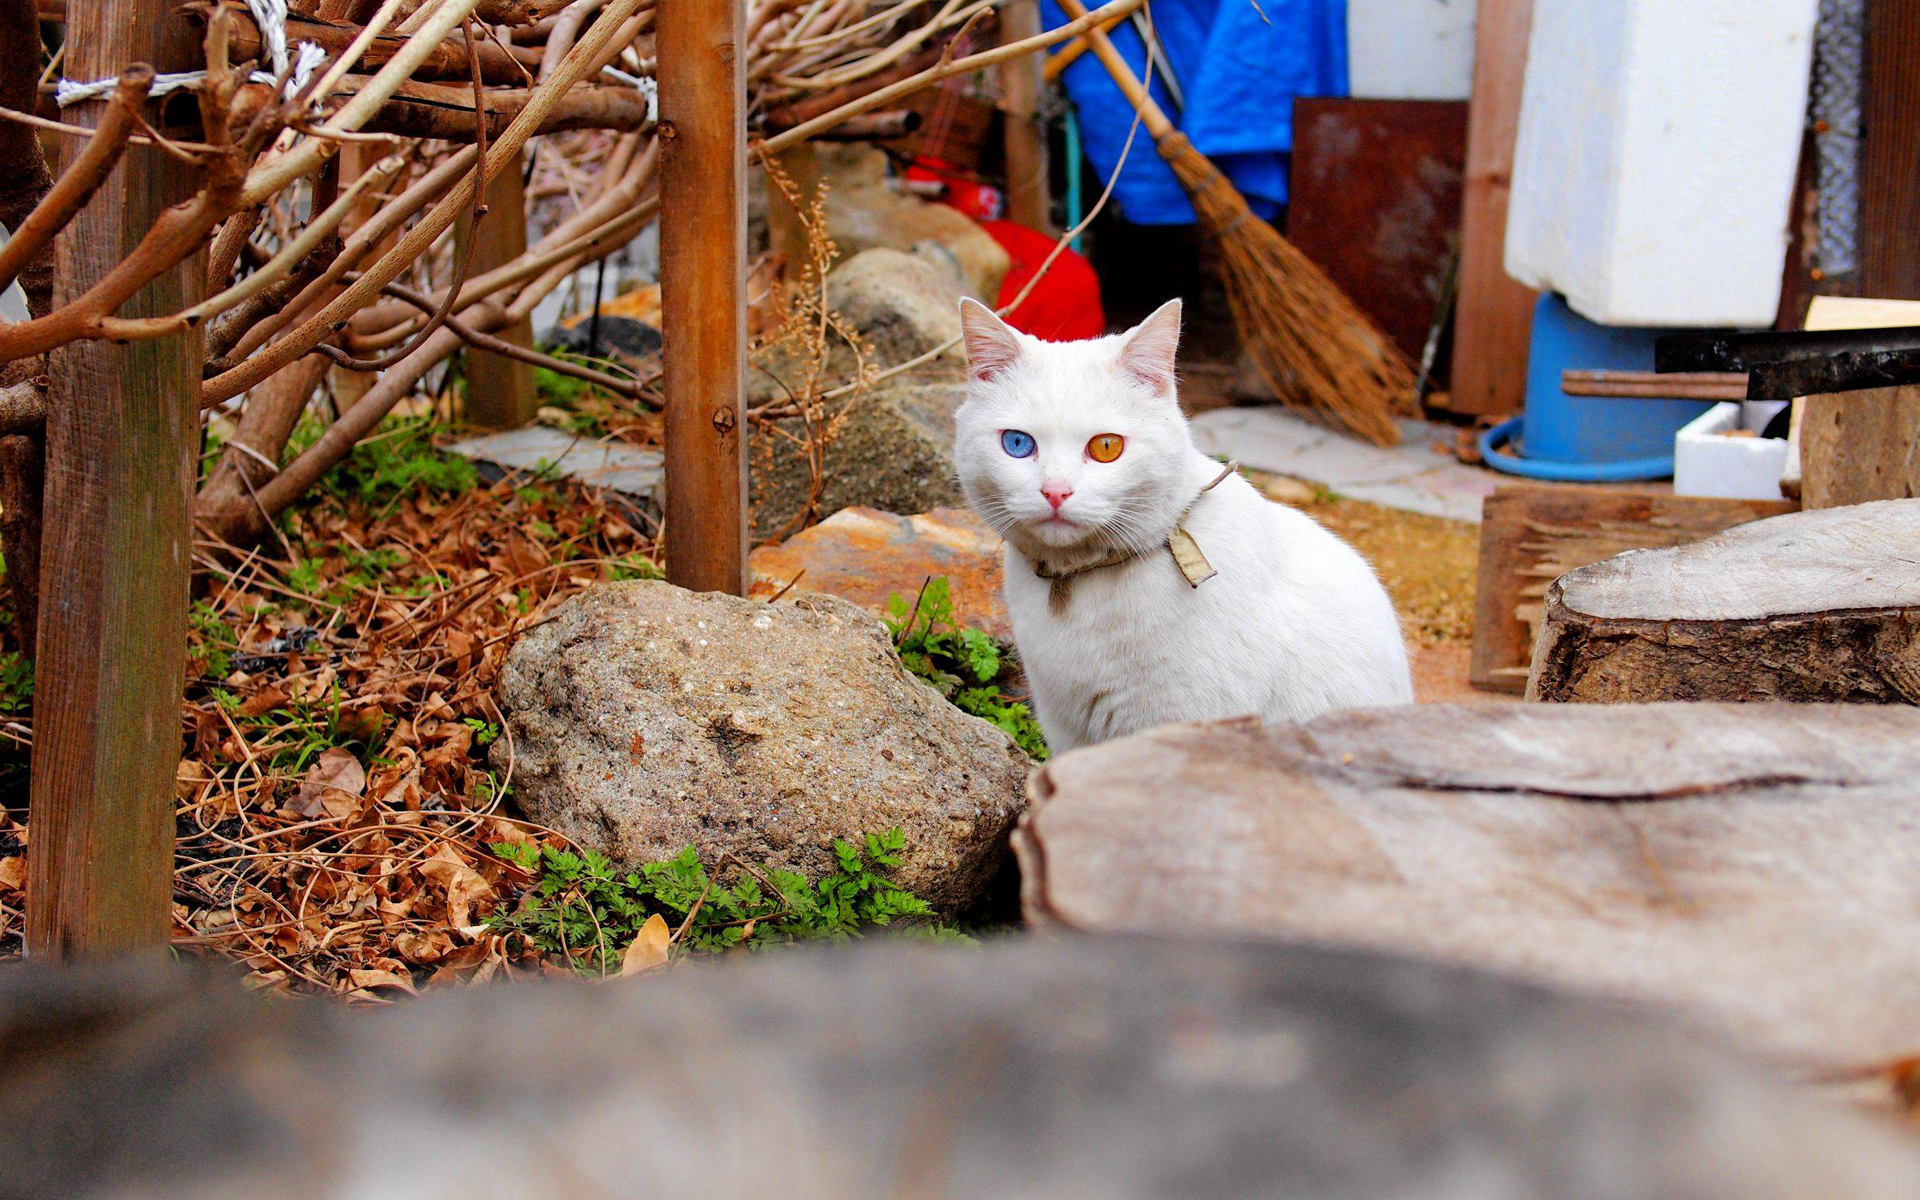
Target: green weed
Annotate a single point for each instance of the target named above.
(397, 461)
(581, 907)
(965, 665)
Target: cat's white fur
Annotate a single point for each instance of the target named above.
(1294, 624)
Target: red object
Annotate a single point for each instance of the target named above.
(946, 184)
(1065, 304)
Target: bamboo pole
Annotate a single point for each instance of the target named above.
(703, 279)
(121, 435)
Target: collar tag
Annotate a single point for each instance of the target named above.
(1187, 556)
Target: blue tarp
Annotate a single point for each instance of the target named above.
(1239, 74)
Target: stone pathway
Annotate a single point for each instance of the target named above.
(1412, 476)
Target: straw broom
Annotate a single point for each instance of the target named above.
(1305, 337)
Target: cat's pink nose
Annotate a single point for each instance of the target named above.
(1056, 491)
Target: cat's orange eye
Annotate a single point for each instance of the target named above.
(1105, 447)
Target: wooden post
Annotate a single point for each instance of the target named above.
(703, 286)
(1493, 316)
(1025, 142)
(1890, 153)
(121, 434)
(500, 391)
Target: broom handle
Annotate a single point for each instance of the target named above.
(1136, 92)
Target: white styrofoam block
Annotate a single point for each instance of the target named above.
(1708, 463)
(1410, 49)
(1658, 145)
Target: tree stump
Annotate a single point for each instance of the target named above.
(1033, 1068)
(1811, 606)
(1749, 865)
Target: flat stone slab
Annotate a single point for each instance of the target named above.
(1029, 1068)
(631, 470)
(1412, 476)
(1756, 867)
(866, 555)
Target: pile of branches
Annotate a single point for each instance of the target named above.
(341, 146)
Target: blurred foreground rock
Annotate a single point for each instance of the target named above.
(1050, 1068)
(646, 718)
(1752, 866)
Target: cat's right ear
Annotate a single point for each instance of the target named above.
(992, 346)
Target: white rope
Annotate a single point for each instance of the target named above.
(270, 16)
(649, 88)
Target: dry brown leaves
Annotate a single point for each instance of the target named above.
(336, 799)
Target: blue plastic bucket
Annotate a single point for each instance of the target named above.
(1587, 438)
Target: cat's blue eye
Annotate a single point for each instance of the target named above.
(1016, 443)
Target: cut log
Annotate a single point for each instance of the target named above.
(1533, 533)
(1821, 605)
(1748, 865)
(1122, 1068)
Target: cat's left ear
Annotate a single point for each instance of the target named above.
(1150, 349)
(992, 346)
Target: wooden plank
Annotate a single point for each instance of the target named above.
(122, 431)
(1023, 136)
(1860, 446)
(1493, 317)
(1890, 152)
(703, 284)
(500, 390)
(1531, 534)
(1376, 202)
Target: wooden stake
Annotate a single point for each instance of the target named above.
(703, 284)
(500, 390)
(1025, 142)
(121, 434)
(1493, 317)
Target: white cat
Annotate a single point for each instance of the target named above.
(1078, 455)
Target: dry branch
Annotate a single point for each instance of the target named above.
(307, 263)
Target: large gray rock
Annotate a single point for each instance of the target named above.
(1033, 1069)
(891, 449)
(889, 446)
(646, 718)
(863, 212)
(903, 304)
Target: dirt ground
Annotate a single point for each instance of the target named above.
(1428, 565)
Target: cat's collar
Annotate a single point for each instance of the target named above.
(1186, 555)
